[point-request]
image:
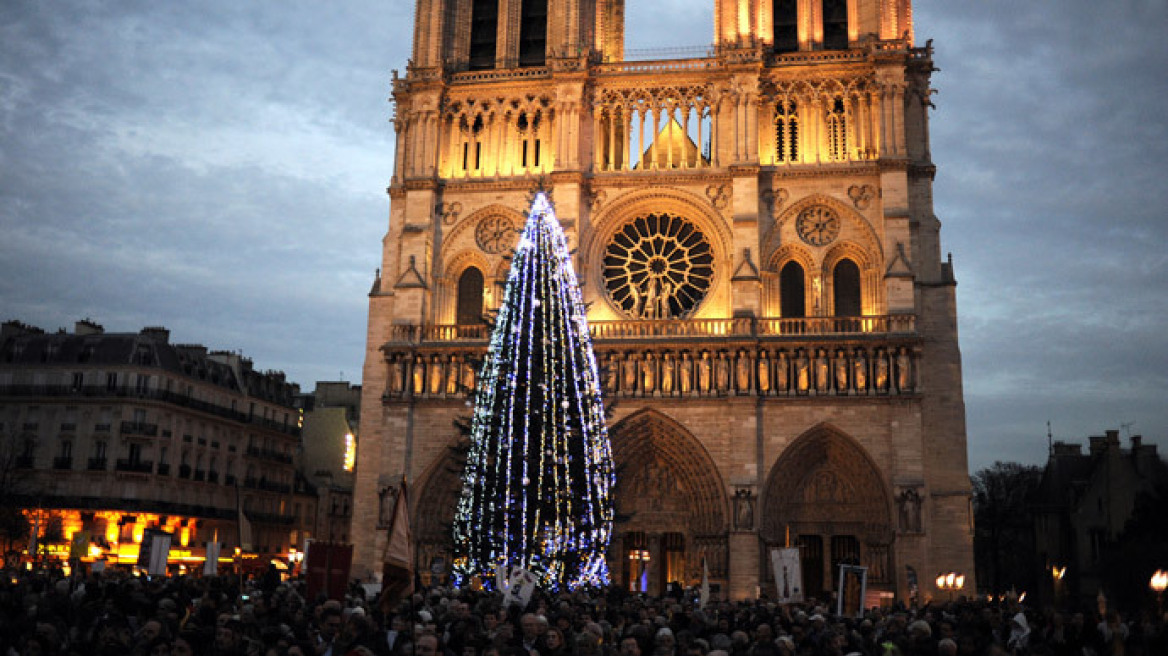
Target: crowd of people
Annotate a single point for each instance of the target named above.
(114, 613)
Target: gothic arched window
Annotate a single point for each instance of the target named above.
(835, 24)
(484, 19)
(837, 130)
(469, 310)
(846, 287)
(786, 131)
(786, 25)
(533, 33)
(792, 292)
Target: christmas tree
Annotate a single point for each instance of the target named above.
(536, 490)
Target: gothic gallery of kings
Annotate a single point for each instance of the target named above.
(754, 234)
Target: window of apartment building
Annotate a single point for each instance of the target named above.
(111, 381)
(66, 448)
(78, 380)
(135, 453)
(99, 449)
(143, 383)
(162, 452)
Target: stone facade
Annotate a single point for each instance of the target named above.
(116, 433)
(754, 233)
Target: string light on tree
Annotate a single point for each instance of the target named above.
(537, 486)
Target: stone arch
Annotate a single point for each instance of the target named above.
(827, 488)
(668, 485)
(627, 207)
(447, 283)
(435, 498)
(871, 276)
(471, 220)
(855, 228)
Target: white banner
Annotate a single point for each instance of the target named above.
(519, 588)
(159, 552)
(211, 566)
(788, 575)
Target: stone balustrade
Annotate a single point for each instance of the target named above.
(824, 356)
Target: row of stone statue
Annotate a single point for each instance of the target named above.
(802, 371)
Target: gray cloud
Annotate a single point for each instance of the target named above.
(219, 168)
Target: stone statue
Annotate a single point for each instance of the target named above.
(648, 374)
(860, 371)
(881, 373)
(782, 373)
(663, 300)
(910, 511)
(722, 371)
(685, 373)
(742, 372)
(764, 373)
(822, 371)
(419, 375)
(397, 375)
(704, 373)
(435, 375)
(841, 371)
(667, 367)
(452, 373)
(802, 372)
(629, 374)
(743, 510)
(610, 374)
(635, 294)
(903, 370)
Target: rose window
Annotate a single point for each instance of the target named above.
(658, 266)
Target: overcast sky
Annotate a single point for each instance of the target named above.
(219, 168)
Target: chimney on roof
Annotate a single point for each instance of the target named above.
(1136, 441)
(1064, 449)
(88, 327)
(157, 333)
(1098, 444)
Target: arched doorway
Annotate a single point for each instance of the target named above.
(670, 506)
(434, 500)
(828, 497)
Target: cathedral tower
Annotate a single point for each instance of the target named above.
(755, 237)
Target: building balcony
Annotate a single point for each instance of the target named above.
(63, 462)
(97, 464)
(125, 392)
(184, 471)
(268, 454)
(163, 469)
(229, 480)
(69, 427)
(130, 465)
(200, 475)
(30, 426)
(24, 462)
(212, 477)
(139, 428)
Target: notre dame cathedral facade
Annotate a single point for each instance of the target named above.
(754, 234)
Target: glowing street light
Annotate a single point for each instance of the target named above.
(1158, 583)
(951, 581)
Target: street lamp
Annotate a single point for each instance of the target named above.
(1158, 583)
(951, 581)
